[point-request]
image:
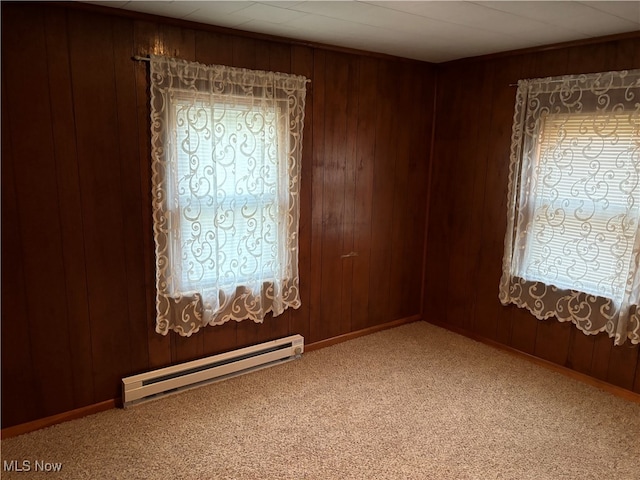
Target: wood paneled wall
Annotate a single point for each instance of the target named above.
(77, 248)
(467, 217)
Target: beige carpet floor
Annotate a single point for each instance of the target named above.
(414, 402)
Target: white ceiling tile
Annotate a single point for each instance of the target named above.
(224, 14)
(167, 9)
(487, 19)
(332, 9)
(456, 12)
(572, 16)
(323, 24)
(269, 13)
(284, 4)
(552, 35)
(215, 9)
(270, 28)
(629, 10)
(229, 21)
(557, 12)
(388, 17)
(479, 17)
(596, 29)
(483, 42)
(594, 25)
(397, 5)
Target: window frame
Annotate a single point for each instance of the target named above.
(536, 202)
(232, 102)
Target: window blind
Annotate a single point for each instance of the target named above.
(585, 202)
(226, 186)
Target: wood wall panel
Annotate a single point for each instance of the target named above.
(316, 303)
(437, 262)
(77, 170)
(454, 240)
(476, 255)
(350, 191)
(128, 131)
(383, 199)
(17, 368)
(38, 220)
(399, 256)
(333, 215)
(363, 194)
(70, 197)
(418, 171)
(101, 185)
(461, 194)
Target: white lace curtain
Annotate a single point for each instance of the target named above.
(572, 243)
(226, 152)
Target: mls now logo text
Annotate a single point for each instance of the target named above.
(29, 466)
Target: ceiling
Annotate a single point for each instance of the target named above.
(433, 31)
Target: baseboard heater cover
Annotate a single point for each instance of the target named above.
(145, 386)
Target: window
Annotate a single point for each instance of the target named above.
(572, 244)
(228, 203)
(226, 147)
(584, 208)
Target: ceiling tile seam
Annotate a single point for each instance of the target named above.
(542, 24)
(470, 27)
(588, 4)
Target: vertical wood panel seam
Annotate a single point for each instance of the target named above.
(474, 113)
(355, 180)
(373, 184)
(29, 318)
(55, 180)
(33, 312)
(56, 161)
(82, 225)
(484, 183)
(345, 225)
(310, 198)
(134, 85)
(341, 162)
(317, 192)
(394, 194)
(425, 249)
(322, 183)
(124, 206)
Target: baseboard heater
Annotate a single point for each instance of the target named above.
(145, 386)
